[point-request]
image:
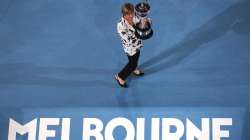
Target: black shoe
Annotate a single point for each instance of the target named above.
(141, 73)
(122, 85)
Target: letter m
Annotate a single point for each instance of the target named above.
(15, 127)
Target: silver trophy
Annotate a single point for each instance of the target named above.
(143, 27)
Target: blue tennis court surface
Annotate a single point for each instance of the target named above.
(64, 54)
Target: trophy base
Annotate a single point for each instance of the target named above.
(144, 33)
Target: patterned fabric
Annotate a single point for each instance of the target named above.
(131, 44)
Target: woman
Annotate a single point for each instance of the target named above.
(131, 44)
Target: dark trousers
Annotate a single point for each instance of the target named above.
(130, 67)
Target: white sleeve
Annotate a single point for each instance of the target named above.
(136, 19)
(126, 37)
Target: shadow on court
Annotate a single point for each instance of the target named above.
(236, 18)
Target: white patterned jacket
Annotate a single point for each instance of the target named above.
(131, 44)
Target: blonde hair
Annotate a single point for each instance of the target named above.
(127, 8)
